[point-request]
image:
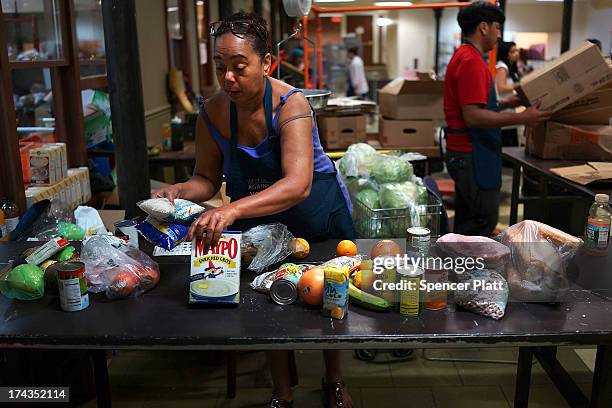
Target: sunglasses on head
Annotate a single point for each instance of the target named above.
(238, 28)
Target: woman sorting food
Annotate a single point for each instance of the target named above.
(261, 134)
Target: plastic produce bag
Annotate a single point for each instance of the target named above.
(119, 273)
(182, 211)
(88, 219)
(398, 195)
(492, 253)
(486, 293)
(24, 282)
(47, 226)
(391, 169)
(539, 255)
(369, 197)
(272, 242)
(358, 161)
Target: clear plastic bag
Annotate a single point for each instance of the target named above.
(119, 272)
(272, 242)
(58, 219)
(358, 161)
(486, 293)
(539, 254)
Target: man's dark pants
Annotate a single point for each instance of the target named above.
(476, 209)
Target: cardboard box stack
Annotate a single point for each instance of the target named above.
(73, 190)
(339, 132)
(578, 88)
(48, 163)
(410, 111)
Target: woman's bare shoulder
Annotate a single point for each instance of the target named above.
(281, 88)
(216, 104)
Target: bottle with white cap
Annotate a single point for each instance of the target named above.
(598, 225)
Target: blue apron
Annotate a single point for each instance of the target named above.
(486, 148)
(323, 215)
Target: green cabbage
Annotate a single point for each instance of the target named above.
(358, 160)
(369, 197)
(398, 195)
(390, 169)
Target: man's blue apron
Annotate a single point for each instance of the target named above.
(324, 214)
(486, 148)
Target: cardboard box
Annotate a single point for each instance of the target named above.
(339, 132)
(554, 140)
(405, 99)
(593, 109)
(591, 172)
(573, 75)
(406, 133)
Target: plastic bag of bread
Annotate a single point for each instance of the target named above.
(120, 272)
(492, 253)
(539, 255)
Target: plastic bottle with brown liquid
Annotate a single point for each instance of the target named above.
(11, 214)
(598, 226)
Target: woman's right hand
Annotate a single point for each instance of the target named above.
(170, 192)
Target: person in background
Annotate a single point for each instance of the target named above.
(357, 82)
(474, 120)
(506, 78)
(297, 58)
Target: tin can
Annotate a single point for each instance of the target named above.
(72, 286)
(418, 238)
(127, 229)
(410, 294)
(284, 291)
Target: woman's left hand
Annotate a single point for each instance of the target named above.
(212, 223)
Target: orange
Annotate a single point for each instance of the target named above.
(310, 286)
(385, 247)
(347, 248)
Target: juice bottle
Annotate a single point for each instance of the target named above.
(166, 137)
(598, 225)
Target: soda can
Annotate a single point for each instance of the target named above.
(72, 286)
(410, 296)
(284, 291)
(418, 238)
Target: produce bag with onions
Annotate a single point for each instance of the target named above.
(120, 272)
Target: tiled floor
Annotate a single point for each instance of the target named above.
(155, 379)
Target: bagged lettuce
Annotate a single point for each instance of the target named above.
(369, 197)
(358, 161)
(391, 169)
(398, 195)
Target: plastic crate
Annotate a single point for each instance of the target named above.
(393, 222)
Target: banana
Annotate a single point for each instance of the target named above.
(366, 300)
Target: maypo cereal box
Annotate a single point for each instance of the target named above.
(215, 274)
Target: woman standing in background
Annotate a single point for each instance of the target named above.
(506, 78)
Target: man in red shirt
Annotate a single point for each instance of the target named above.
(474, 120)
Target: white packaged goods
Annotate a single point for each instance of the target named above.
(163, 210)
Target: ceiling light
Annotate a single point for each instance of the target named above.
(550, 1)
(383, 21)
(199, 3)
(172, 9)
(334, 1)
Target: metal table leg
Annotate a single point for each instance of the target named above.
(601, 395)
(514, 199)
(523, 377)
(103, 394)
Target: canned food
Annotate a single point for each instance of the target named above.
(410, 294)
(418, 238)
(283, 291)
(72, 286)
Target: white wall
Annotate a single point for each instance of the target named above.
(592, 20)
(415, 38)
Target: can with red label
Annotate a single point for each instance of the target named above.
(72, 286)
